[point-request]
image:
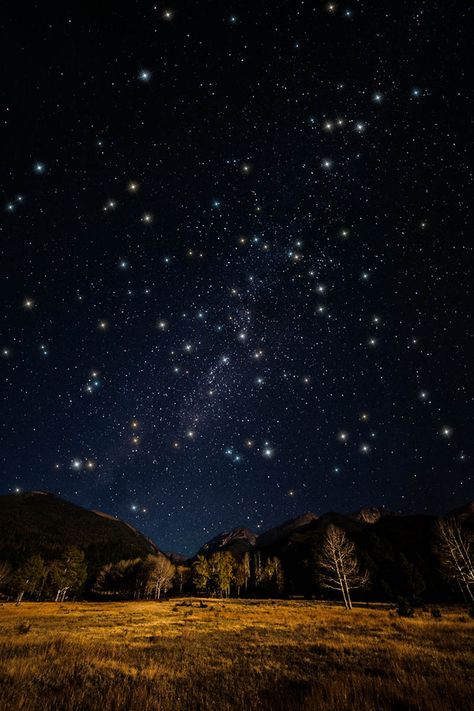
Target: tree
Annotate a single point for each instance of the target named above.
(221, 567)
(5, 571)
(159, 573)
(455, 547)
(201, 573)
(257, 569)
(182, 576)
(126, 578)
(272, 576)
(338, 565)
(411, 580)
(240, 574)
(68, 573)
(29, 576)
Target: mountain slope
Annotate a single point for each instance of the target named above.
(238, 541)
(276, 534)
(38, 522)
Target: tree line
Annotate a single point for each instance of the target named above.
(334, 564)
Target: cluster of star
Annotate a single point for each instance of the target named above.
(135, 433)
(364, 447)
(93, 383)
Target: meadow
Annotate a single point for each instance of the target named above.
(252, 655)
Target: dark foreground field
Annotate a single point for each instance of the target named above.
(249, 655)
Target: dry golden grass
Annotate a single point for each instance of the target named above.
(252, 655)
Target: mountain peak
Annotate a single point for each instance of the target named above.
(273, 535)
(239, 540)
(371, 514)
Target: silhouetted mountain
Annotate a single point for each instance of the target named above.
(276, 534)
(398, 551)
(38, 522)
(371, 514)
(238, 541)
(465, 514)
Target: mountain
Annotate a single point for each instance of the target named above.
(465, 514)
(39, 522)
(371, 514)
(276, 534)
(238, 541)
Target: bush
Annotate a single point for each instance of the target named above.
(404, 609)
(436, 613)
(23, 628)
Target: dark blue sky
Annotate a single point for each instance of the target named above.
(234, 256)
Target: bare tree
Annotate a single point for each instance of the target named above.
(338, 565)
(160, 574)
(455, 547)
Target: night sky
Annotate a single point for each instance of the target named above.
(235, 247)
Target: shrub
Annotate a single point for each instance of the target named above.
(23, 628)
(404, 609)
(436, 613)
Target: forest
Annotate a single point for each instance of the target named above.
(331, 566)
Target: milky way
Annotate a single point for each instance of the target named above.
(235, 249)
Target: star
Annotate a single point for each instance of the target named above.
(144, 75)
(147, 218)
(39, 168)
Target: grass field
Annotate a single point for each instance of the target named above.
(250, 655)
